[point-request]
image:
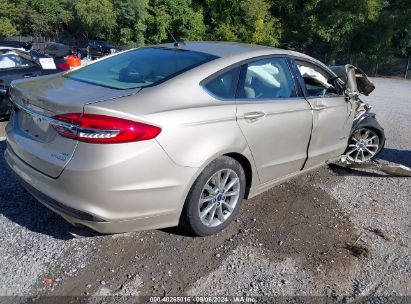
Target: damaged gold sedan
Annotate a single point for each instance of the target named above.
(181, 133)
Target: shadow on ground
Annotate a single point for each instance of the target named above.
(20, 207)
(401, 157)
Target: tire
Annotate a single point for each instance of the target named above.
(367, 142)
(198, 217)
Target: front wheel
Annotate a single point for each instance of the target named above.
(365, 143)
(215, 197)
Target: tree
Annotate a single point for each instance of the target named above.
(46, 18)
(7, 13)
(260, 26)
(176, 18)
(7, 29)
(131, 17)
(96, 18)
(242, 20)
(326, 28)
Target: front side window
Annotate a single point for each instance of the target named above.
(139, 68)
(267, 79)
(225, 84)
(317, 82)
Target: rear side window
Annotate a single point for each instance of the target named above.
(140, 68)
(267, 79)
(224, 85)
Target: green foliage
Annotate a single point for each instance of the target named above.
(97, 18)
(7, 28)
(335, 31)
(46, 18)
(242, 20)
(131, 15)
(174, 18)
(8, 14)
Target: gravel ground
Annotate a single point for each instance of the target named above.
(289, 241)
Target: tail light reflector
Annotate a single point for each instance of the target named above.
(102, 129)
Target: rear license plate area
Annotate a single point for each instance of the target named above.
(34, 126)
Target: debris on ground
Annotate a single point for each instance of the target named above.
(389, 169)
(358, 250)
(381, 233)
(47, 281)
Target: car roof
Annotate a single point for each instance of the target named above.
(229, 49)
(8, 48)
(219, 49)
(12, 49)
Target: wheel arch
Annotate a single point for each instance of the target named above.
(246, 164)
(369, 121)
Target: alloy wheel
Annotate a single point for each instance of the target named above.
(363, 146)
(219, 197)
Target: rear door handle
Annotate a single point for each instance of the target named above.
(29, 75)
(253, 115)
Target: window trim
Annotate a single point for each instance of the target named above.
(241, 64)
(215, 75)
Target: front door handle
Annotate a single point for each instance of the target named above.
(29, 75)
(253, 115)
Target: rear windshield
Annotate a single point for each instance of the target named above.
(139, 68)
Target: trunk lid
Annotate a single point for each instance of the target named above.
(31, 135)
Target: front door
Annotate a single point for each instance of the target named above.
(274, 120)
(332, 114)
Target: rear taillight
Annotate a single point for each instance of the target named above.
(64, 66)
(102, 129)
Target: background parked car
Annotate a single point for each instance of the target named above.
(16, 44)
(53, 49)
(18, 64)
(98, 48)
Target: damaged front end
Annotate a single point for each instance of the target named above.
(356, 83)
(367, 137)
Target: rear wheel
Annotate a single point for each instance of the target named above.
(215, 197)
(365, 143)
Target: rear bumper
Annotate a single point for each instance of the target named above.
(144, 191)
(77, 217)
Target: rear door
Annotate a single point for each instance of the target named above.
(332, 114)
(274, 119)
